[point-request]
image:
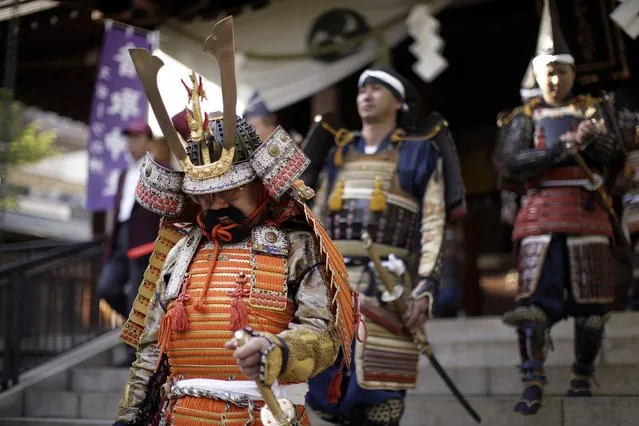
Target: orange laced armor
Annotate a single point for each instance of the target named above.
(215, 300)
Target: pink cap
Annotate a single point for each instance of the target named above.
(181, 125)
(139, 126)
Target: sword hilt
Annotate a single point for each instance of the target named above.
(276, 416)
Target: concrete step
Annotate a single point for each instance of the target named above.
(502, 381)
(596, 411)
(85, 405)
(486, 342)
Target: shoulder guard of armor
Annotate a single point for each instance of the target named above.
(343, 304)
(167, 238)
(431, 129)
(159, 189)
(505, 117)
(587, 101)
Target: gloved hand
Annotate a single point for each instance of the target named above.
(394, 265)
(396, 269)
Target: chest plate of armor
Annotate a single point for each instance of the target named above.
(370, 198)
(552, 123)
(199, 351)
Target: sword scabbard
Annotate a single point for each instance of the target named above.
(419, 337)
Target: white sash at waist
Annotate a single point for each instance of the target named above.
(245, 388)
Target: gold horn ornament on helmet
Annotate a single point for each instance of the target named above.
(221, 44)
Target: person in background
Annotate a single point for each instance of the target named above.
(264, 121)
(391, 181)
(558, 148)
(133, 230)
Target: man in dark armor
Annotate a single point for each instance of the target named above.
(397, 185)
(627, 110)
(562, 231)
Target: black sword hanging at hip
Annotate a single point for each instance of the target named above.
(418, 335)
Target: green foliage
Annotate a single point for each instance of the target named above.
(27, 143)
(30, 144)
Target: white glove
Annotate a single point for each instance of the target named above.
(393, 264)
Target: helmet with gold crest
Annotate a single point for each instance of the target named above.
(217, 151)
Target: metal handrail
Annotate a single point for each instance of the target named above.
(49, 256)
(48, 306)
(32, 245)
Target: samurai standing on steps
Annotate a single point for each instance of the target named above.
(562, 232)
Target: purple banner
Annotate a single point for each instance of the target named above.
(118, 99)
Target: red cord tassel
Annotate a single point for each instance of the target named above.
(239, 315)
(180, 320)
(165, 335)
(335, 387)
(238, 311)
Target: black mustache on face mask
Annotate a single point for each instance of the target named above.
(213, 216)
(238, 233)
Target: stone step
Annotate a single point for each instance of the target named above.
(97, 408)
(98, 379)
(486, 342)
(478, 381)
(491, 329)
(85, 405)
(613, 380)
(596, 411)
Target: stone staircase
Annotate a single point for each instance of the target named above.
(85, 395)
(480, 354)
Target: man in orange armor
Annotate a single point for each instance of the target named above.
(238, 249)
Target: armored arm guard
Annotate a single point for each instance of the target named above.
(515, 157)
(432, 227)
(605, 147)
(131, 409)
(455, 192)
(628, 122)
(311, 343)
(141, 393)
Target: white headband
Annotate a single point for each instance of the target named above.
(543, 60)
(393, 82)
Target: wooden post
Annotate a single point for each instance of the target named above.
(328, 100)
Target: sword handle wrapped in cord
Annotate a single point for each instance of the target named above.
(276, 412)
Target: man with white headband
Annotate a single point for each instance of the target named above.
(562, 231)
(391, 182)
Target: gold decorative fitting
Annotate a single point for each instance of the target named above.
(378, 198)
(199, 125)
(343, 137)
(337, 197)
(398, 135)
(302, 190)
(271, 237)
(212, 170)
(274, 150)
